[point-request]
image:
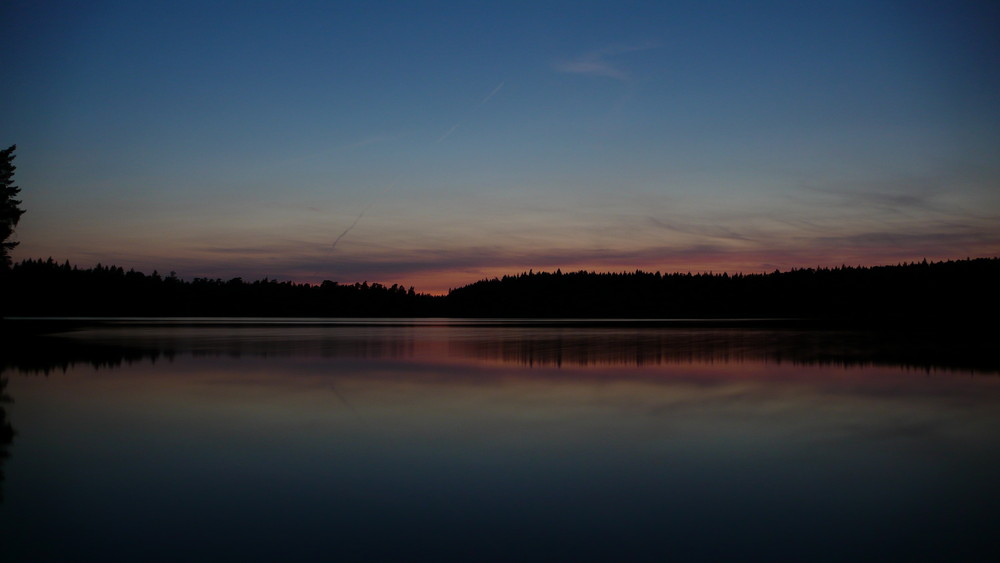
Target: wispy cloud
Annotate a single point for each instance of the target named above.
(436, 267)
(602, 62)
(311, 155)
(373, 140)
(714, 231)
(459, 241)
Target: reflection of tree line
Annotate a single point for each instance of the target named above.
(846, 348)
(537, 347)
(533, 347)
(353, 347)
(962, 289)
(6, 430)
(45, 355)
(51, 354)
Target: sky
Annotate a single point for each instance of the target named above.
(433, 144)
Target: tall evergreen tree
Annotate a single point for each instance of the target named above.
(10, 211)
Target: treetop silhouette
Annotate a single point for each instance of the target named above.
(920, 293)
(10, 210)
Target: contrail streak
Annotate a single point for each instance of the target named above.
(348, 229)
(449, 132)
(479, 105)
(365, 210)
(493, 93)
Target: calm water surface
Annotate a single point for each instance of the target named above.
(398, 442)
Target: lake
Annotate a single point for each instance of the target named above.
(401, 440)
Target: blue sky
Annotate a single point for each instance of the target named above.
(442, 142)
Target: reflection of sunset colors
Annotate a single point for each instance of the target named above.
(489, 344)
(441, 146)
(402, 443)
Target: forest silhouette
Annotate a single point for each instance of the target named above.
(915, 292)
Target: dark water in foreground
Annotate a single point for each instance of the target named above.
(427, 442)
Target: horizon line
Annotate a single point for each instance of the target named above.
(529, 271)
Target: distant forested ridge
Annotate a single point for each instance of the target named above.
(48, 288)
(912, 291)
(951, 290)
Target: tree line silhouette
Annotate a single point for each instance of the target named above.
(47, 288)
(905, 291)
(925, 291)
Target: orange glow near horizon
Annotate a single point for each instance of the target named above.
(441, 282)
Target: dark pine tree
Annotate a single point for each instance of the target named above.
(10, 210)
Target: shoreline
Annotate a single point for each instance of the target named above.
(49, 325)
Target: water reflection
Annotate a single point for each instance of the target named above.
(523, 346)
(6, 431)
(640, 347)
(402, 443)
